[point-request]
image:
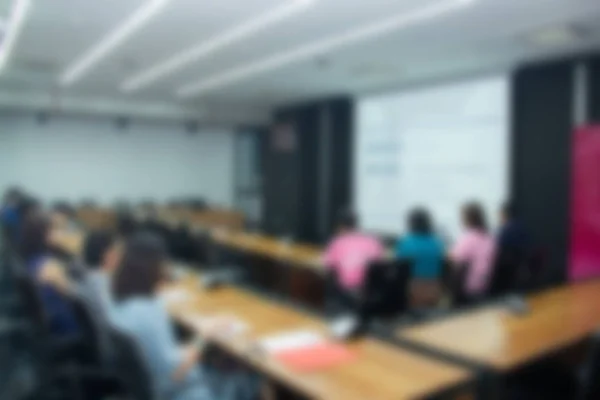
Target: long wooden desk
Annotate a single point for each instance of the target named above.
(300, 255)
(503, 341)
(292, 269)
(381, 371)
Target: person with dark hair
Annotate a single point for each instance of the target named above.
(139, 311)
(49, 274)
(512, 235)
(101, 255)
(475, 249)
(426, 252)
(9, 213)
(512, 253)
(350, 253)
(63, 217)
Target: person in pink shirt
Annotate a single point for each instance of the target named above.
(475, 249)
(350, 253)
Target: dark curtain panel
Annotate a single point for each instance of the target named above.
(294, 193)
(341, 159)
(308, 122)
(594, 89)
(281, 175)
(542, 127)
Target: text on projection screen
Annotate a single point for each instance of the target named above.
(437, 148)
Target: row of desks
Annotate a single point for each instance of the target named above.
(381, 370)
(490, 337)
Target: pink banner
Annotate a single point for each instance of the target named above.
(585, 204)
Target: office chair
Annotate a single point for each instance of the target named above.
(386, 287)
(589, 375)
(56, 358)
(130, 367)
(94, 332)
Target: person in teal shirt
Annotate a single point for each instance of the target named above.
(426, 253)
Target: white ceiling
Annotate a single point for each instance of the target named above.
(482, 36)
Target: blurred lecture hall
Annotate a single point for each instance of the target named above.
(300, 200)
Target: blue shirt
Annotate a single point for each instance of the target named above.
(58, 309)
(426, 253)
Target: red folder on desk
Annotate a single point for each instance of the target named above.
(317, 357)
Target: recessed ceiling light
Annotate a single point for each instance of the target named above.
(210, 46)
(365, 32)
(12, 29)
(556, 36)
(76, 70)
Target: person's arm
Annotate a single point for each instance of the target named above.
(53, 274)
(330, 256)
(460, 252)
(183, 359)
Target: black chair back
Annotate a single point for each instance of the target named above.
(589, 382)
(131, 368)
(94, 331)
(386, 287)
(32, 304)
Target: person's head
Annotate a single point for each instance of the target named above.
(347, 222)
(419, 222)
(102, 250)
(507, 212)
(28, 205)
(142, 267)
(473, 217)
(61, 214)
(34, 235)
(12, 196)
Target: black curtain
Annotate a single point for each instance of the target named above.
(281, 175)
(594, 89)
(294, 179)
(341, 158)
(541, 151)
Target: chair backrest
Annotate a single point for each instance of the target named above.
(94, 330)
(32, 303)
(131, 368)
(386, 287)
(589, 378)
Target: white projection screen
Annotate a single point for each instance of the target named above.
(436, 147)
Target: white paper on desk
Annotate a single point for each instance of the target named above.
(290, 340)
(174, 295)
(220, 325)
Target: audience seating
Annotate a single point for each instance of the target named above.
(130, 367)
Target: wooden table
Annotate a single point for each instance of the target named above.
(494, 337)
(380, 372)
(290, 269)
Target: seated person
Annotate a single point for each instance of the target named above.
(475, 250)
(54, 284)
(350, 252)
(139, 311)
(512, 236)
(512, 252)
(426, 252)
(101, 255)
(63, 217)
(9, 213)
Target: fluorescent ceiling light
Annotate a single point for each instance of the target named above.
(365, 32)
(210, 46)
(112, 41)
(12, 30)
(556, 36)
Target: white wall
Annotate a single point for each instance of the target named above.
(436, 147)
(76, 158)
